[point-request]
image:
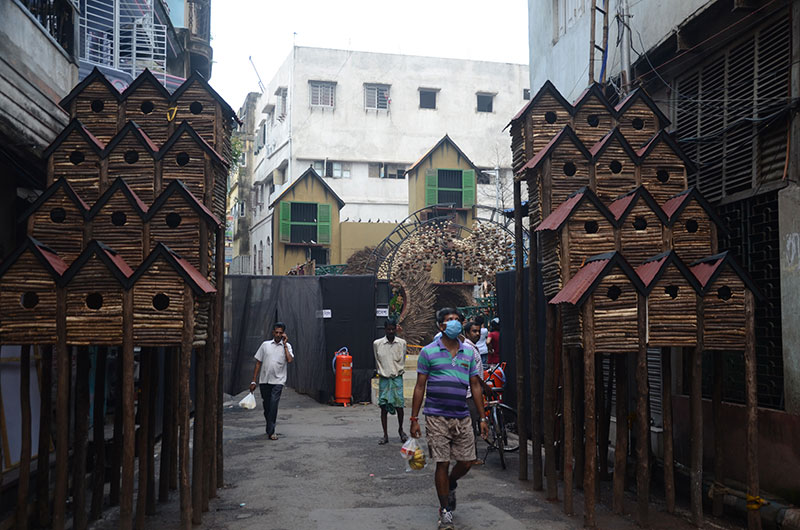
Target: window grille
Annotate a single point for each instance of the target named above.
(376, 97)
(322, 94)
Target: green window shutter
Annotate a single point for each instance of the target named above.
(286, 222)
(468, 188)
(431, 187)
(324, 224)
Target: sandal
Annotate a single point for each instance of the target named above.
(403, 437)
(384, 441)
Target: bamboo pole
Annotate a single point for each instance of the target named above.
(167, 430)
(176, 404)
(62, 410)
(716, 412)
(150, 502)
(548, 404)
(43, 455)
(79, 514)
(98, 424)
(116, 444)
(518, 326)
(533, 349)
(642, 419)
(696, 420)
(669, 458)
(145, 378)
(210, 426)
(183, 408)
(568, 431)
(580, 419)
(215, 478)
(21, 519)
(751, 403)
(605, 419)
(127, 412)
(590, 473)
(621, 443)
(199, 428)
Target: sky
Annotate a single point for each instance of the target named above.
(265, 30)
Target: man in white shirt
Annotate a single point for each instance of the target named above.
(483, 348)
(390, 360)
(270, 373)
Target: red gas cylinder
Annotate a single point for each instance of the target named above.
(343, 367)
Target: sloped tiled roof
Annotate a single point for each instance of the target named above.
(565, 133)
(120, 185)
(556, 219)
(640, 95)
(76, 125)
(176, 186)
(651, 271)
(46, 256)
(621, 207)
(445, 139)
(113, 261)
(61, 183)
(190, 275)
(707, 270)
(675, 205)
(94, 75)
(547, 88)
(581, 286)
(308, 173)
(132, 128)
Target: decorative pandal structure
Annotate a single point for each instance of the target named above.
(614, 164)
(639, 225)
(638, 118)
(592, 115)
(663, 167)
(140, 263)
(692, 227)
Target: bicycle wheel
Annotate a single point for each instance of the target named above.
(497, 427)
(508, 427)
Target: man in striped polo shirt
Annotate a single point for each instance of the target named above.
(445, 369)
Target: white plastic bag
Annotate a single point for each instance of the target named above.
(248, 402)
(413, 454)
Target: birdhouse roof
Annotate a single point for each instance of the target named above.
(664, 137)
(707, 270)
(547, 88)
(76, 125)
(186, 128)
(308, 173)
(621, 207)
(176, 186)
(653, 269)
(61, 183)
(556, 219)
(640, 95)
(586, 280)
(94, 75)
(593, 90)
(445, 139)
(146, 77)
(676, 204)
(198, 282)
(132, 128)
(198, 78)
(120, 185)
(599, 148)
(46, 256)
(544, 152)
(113, 261)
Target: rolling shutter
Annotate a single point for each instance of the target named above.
(286, 222)
(431, 187)
(323, 223)
(468, 188)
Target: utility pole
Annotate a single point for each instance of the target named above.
(626, 46)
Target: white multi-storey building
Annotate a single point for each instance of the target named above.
(360, 119)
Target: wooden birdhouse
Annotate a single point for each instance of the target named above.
(560, 168)
(180, 221)
(94, 283)
(131, 155)
(537, 123)
(163, 285)
(95, 102)
(147, 102)
(579, 228)
(190, 159)
(724, 284)
(28, 294)
(639, 118)
(640, 223)
(76, 155)
(117, 219)
(57, 218)
(592, 116)
(671, 291)
(204, 109)
(663, 167)
(692, 227)
(614, 164)
(611, 288)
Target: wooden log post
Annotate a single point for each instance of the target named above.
(533, 349)
(145, 378)
(210, 425)
(548, 404)
(175, 389)
(63, 367)
(79, 513)
(199, 428)
(98, 426)
(519, 337)
(669, 452)
(642, 419)
(696, 422)
(621, 441)
(568, 431)
(150, 503)
(590, 426)
(605, 418)
(43, 455)
(21, 519)
(116, 443)
(216, 382)
(167, 427)
(580, 419)
(183, 409)
(751, 404)
(716, 412)
(127, 412)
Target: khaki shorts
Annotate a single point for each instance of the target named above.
(450, 439)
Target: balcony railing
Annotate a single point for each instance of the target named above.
(58, 19)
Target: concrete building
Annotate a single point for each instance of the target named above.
(727, 75)
(361, 120)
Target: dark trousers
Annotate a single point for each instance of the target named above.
(271, 394)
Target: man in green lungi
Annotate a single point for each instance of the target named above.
(390, 359)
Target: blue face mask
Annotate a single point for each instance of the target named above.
(452, 329)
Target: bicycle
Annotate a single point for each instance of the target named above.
(503, 434)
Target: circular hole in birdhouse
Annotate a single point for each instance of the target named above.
(640, 223)
(173, 219)
(58, 215)
(98, 105)
(550, 117)
(160, 302)
(591, 227)
(131, 157)
(29, 300)
(637, 123)
(119, 218)
(593, 120)
(147, 107)
(662, 175)
(691, 226)
(196, 107)
(671, 291)
(76, 157)
(613, 292)
(569, 169)
(182, 159)
(94, 301)
(615, 166)
(724, 293)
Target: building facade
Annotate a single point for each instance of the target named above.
(362, 119)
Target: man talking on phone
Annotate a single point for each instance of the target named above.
(270, 373)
